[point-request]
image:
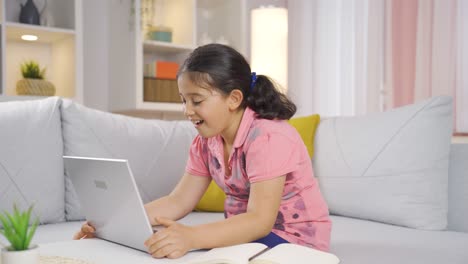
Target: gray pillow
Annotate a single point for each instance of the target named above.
(390, 167)
(157, 150)
(31, 167)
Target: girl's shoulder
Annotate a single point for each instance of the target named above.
(273, 128)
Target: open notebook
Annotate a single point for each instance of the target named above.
(257, 253)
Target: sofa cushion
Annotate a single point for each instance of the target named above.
(390, 167)
(157, 150)
(31, 167)
(357, 241)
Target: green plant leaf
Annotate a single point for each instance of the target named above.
(30, 235)
(16, 212)
(23, 229)
(17, 229)
(31, 69)
(13, 222)
(9, 235)
(22, 220)
(25, 225)
(17, 243)
(14, 239)
(12, 233)
(5, 223)
(7, 229)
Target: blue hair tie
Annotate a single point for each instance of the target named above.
(253, 80)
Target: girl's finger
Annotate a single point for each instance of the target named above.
(78, 235)
(163, 251)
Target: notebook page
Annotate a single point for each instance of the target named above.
(238, 254)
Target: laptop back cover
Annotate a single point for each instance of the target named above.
(110, 200)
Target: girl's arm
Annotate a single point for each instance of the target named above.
(255, 223)
(180, 201)
(262, 210)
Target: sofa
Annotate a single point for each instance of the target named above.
(396, 187)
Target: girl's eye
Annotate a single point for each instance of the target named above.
(197, 102)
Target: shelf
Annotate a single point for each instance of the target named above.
(160, 46)
(58, 49)
(172, 107)
(188, 20)
(14, 31)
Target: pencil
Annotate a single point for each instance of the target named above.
(259, 253)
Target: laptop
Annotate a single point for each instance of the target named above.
(110, 199)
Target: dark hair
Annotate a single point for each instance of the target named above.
(222, 67)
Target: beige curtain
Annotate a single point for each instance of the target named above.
(425, 53)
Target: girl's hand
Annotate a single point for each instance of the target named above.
(174, 241)
(86, 231)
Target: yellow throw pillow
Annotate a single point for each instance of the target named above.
(306, 126)
(213, 199)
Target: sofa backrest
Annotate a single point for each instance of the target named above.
(389, 167)
(157, 150)
(458, 188)
(31, 166)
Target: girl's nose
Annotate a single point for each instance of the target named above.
(188, 110)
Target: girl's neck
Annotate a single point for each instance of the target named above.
(229, 134)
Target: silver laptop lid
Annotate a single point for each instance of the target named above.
(110, 199)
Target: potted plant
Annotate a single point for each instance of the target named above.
(33, 82)
(18, 232)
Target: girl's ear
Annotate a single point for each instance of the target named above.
(235, 99)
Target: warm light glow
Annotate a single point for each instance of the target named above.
(29, 37)
(269, 43)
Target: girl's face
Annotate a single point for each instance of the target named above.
(210, 111)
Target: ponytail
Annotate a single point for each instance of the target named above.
(265, 100)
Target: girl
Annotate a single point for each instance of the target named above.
(247, 148)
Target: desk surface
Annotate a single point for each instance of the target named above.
(100, 251)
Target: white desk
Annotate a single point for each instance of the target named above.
(102, 252)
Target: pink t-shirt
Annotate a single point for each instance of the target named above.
(262, 150)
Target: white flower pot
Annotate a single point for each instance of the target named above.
(29, 256)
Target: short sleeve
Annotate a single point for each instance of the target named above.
(197, 163)
(271, 155)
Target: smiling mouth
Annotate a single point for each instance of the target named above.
(197, 122)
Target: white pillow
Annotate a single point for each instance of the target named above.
(31, 167)
(390, 167)
(157, 150)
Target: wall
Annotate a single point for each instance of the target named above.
(95, 54)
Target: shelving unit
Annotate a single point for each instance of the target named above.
(58, 47)
(152, 46)
(190, 20)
